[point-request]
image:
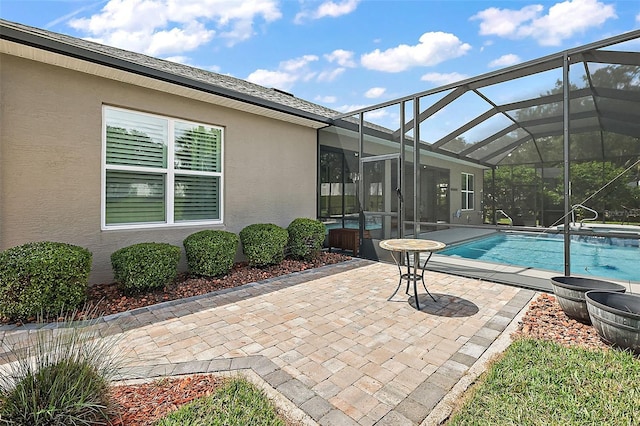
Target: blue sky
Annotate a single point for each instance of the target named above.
(344, 54)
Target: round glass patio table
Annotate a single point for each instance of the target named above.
(408, 246)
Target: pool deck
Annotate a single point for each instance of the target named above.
(326, 344)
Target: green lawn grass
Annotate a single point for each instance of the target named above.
(237, 403)
(543, 383)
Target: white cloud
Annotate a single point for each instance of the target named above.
(296, 64)
(344, 58)
(562, 20)
(294, 70)
(432, 49)
(213, 68)
(328, 9)
(505, 22)
(638, 18)
(287, 74)
(330, 75)
(374, 92)
(333, 10)
(505, 61)
(349, 108)
(278, 79)
(178, 39)
(158, 27)
(377, 114)
(440, 79)
(326, 99)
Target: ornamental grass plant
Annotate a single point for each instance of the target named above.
(61, 377)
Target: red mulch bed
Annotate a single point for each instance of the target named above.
(111, 300)
(105, 299)
(546, 320)
(144, 404)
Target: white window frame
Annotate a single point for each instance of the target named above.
(468, 193)
(169, 173)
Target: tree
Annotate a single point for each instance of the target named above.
(515, 191)
(603, 185)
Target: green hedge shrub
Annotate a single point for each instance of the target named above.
(211, 252)
(145, 266)
(306, 237)
(264, 243)
(43, 278)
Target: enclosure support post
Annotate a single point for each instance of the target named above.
(567, 164)
(416, 168)
(360, 190)
(493, 198)
(403, 153)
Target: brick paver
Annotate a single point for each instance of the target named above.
(328, 339)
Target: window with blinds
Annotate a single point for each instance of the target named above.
(159, 170)
(467, 192)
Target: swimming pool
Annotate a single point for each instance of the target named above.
(607, 257)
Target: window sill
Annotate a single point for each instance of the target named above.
(150, 226)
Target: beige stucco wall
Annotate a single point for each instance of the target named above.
(473, 217)
(50, 151)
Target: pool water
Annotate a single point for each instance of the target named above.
(606, 257)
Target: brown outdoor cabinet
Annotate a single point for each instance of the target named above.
(345, 239)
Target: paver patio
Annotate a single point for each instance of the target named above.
(328, 339)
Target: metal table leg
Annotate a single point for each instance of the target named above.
(400, 274)
(412, 276)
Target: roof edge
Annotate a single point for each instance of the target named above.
(31, 39)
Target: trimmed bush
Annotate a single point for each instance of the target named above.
(211, 252)
(305, 237)
(264, 243)
(43, 278)
(145, 266)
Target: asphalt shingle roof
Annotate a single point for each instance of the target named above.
(223, 85)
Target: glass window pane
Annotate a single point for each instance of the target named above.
(331, 182)
(197, 198)
(134, 197)
(197, 147)
(136, 139)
